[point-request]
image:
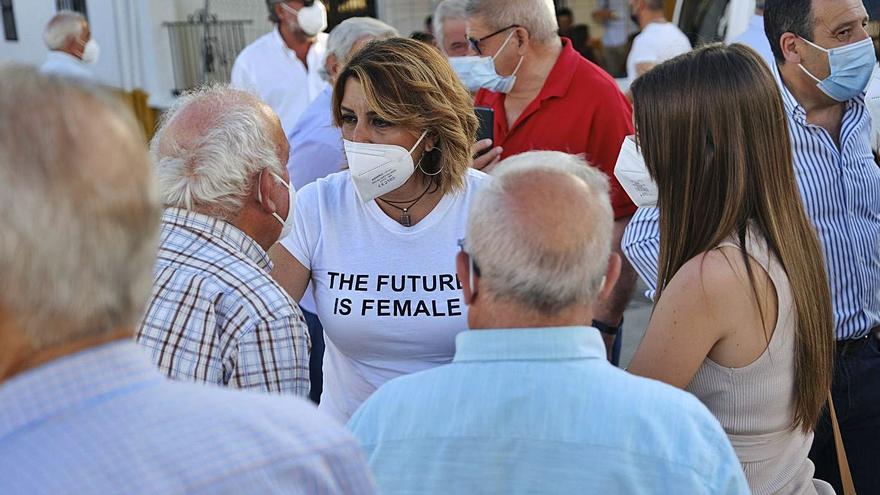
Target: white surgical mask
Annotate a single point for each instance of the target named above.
(478, 72)
(312, 19)
(91, 51)
(632, 173)
(286, 223)
(377, 169)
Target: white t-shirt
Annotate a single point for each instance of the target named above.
(387, 295)
(272, 71)
(657, 43)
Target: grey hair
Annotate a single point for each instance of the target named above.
(344, 36)
(214, 173)
(447, 9)
(79, 210)
(519, 266)
(64, 25)
(537, 16)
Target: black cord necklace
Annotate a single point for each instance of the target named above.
(405, 219)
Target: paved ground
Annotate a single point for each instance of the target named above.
(636, 320)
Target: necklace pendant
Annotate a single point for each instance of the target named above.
(405, 220)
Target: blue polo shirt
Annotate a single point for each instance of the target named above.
(541, 411)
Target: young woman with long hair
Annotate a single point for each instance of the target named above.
(743, 311)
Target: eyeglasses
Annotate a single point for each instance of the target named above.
(475, 43)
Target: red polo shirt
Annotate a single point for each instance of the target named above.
(579, 110)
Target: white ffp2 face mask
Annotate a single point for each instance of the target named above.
(312, 19)
(632, 173)
(377, 169)
(286, 223)
(91, 51)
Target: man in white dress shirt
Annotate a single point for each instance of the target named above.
(72, 49)
(282, 67)
(659, 41)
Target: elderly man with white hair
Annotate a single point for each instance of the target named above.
(215, 314)
(450, 27)
(529, 403)
(72, 48)
(547, 96)
(316, 149)
(82, 409)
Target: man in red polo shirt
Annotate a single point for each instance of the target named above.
(547, 97)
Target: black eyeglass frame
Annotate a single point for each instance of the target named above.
(473, 263)
(475, 43)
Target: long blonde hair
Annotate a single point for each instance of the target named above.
(713, 131)
(408, 83)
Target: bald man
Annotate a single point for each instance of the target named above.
(530, 404)
(215, 315)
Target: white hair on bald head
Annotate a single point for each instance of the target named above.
(520, 265)
(344, 36)
(537, 16)
(79, 211)
(447, 10)
(214, 172)
(62, 27)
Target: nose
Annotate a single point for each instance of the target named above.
(361, 133)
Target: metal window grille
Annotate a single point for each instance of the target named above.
(74, 5)
(203, 49)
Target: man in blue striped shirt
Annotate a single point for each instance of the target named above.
(530, 404)
(839, 182)
(82, 409)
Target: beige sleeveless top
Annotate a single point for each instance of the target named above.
(755, 404)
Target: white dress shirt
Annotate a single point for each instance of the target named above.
(657, 43)
(272, 71)
(63, 64)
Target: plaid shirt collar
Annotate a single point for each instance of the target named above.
(219, 231)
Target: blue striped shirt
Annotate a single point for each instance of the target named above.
(104, 421)
(840, 188)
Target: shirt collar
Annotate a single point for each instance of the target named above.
(217, 230)
(37, 394)
(796, 111)
(558, 81)
(65, 57)
(562, 73)
(529, 344)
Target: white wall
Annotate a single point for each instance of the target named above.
(30, 17)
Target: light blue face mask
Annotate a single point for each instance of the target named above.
(479, 72)
(851, 68)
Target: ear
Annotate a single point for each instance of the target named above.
(263, 192)
(331, 65)
(430, 143)
(462, 269)
(522, 38)
(789, 44)
(612, 273)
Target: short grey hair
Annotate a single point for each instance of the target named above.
(447, 9)
(64, 25)
(516, 262)
(537, 16)
(345, 35)
(79, 210)
(214, 172)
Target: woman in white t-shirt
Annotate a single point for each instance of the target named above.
(378, 241)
